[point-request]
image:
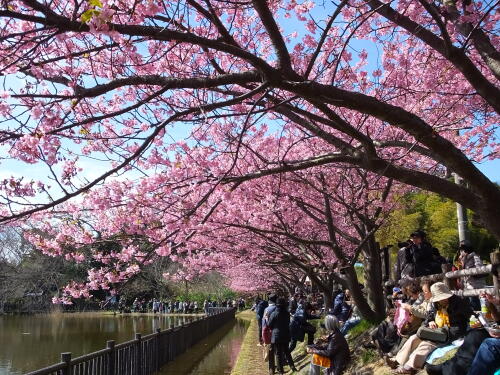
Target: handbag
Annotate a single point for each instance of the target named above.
(439, 335)
(401, 317)
(411, 326)
(266, 334)
(320, 360)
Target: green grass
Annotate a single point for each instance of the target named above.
(250, 360)
(369, 356)
(361, 328)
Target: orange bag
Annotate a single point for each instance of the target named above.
(321, 361)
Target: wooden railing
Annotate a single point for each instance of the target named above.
(144, 355)
(448, 277)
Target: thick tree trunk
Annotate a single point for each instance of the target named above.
(373, 278)
(489, 215)
(357, 296)
(327, 297)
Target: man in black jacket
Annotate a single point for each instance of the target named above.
(279, 321)
(418, 257)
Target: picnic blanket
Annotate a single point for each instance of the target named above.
(441, 351)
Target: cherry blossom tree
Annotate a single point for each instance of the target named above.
(109, 79)
(268, 93)
(316, 222)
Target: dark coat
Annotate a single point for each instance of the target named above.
(461, 362)
(292, 306)
(386, 335)
(404, 266)
(421, 257)
(459, 312)
(338, 352)
(260, 308)
(279, 322)
(300, 325)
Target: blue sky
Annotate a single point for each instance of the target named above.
(491, 169)
(93, 169)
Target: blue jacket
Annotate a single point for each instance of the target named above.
(267, 314)
(341, 309)
(299, 324)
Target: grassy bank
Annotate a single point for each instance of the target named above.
(364, 361)
(250, 360)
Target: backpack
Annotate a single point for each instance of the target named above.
(266, 330)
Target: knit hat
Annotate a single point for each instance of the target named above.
(440, 292)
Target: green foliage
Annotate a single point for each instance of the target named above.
(199, 296)
(90, 13)
(436, 216)
(360, 273)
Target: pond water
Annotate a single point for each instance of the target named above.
(30, 342)
(215, 355)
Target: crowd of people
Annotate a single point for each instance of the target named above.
(283, 323)
(424, 319)
(429, 316)
(165, 306)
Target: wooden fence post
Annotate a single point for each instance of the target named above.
(158, 349)
(66, 358)
(449, 283)
(111, 357)
(495, 263)
(138, 356)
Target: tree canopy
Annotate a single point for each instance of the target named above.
(272, 95)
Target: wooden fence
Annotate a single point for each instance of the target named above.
(144, 355)
(449, 277)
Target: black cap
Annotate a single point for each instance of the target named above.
(465, 246)
(418, 233)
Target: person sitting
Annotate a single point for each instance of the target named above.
(352, 322)
(478, 355)
(336, 349)
(487, 359)
(449, 312)
(279, 322)
(386, 336)
(341, 308)
(299, 326)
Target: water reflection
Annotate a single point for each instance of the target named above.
(215, 355)
(29, 342)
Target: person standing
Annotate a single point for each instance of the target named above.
(156, 306)
(421, 254)
(267, 329)
(469, 259)
(260, 307)
(279, 322)
(292, 305)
